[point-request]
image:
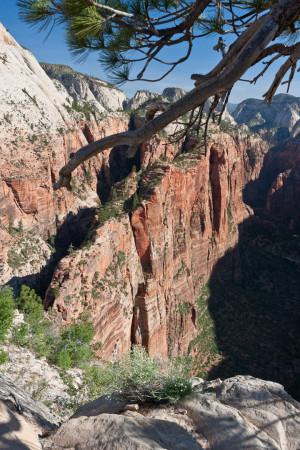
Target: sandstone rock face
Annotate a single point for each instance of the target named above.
(276, 183)
(15, 432)
(141, 277)
(284, 196)
(102, 95)
(235, 414)
(39, 131)
(227, 117)
(102, 280)
(120, 433)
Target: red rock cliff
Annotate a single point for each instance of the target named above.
(39, 131)
(141, 276)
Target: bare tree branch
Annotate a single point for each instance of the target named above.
(289, 64)
(154, 108)
(247, 49)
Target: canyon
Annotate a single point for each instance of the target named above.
(173, 265)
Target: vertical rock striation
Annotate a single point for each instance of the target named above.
(141, 276)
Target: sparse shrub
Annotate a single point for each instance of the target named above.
(7, 307)
(105, 213)
(176, 388)
(56, 291)
(140, 378)
(88, 175)
(19, 334)
(48, 403)
(135, 201)
(20, 228)
(3, 357)
(11, 229)
(114, 195)
(88, 244)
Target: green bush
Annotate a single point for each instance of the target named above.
(7, 307)
(67, 348)
(135, 202)
(31, 304)
(3, 357)
(176, 388)
(105, 212)
(140, 378)
(73, 346)
(56, 291)
(19, 334)
(36, 333)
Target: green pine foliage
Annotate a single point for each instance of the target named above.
(7, 307)
(135, 201)
(70, 346)
(114, 195)
(31, 304)
(73, 346)
(123, 32)
(105, 212)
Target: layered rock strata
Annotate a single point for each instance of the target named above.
(140, 277)
(276, 187)
(39, 131)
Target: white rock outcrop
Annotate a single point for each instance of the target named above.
(236, 414)
(29, 101)
(100, 94)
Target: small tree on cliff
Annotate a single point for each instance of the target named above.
(129, 31)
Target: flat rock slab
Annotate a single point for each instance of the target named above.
(117, 432)
(245, 413)
(236, 414)
(110, 404)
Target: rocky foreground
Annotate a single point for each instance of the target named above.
(238, 413)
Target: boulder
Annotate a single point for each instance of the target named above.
(235, 414)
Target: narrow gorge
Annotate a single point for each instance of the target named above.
(182, 251)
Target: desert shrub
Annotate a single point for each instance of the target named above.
(135, 201)
(7, 307)
(36, 333)
(20, 334)
(3, 356)
(106, 212)
(140, 378)
(73, 345)
(176, 388)
(56, 291)
(67, 348)
(31, 304)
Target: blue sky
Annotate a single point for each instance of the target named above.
(202, 59)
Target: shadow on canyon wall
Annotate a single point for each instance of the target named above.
(254, 304)
(73, 231)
